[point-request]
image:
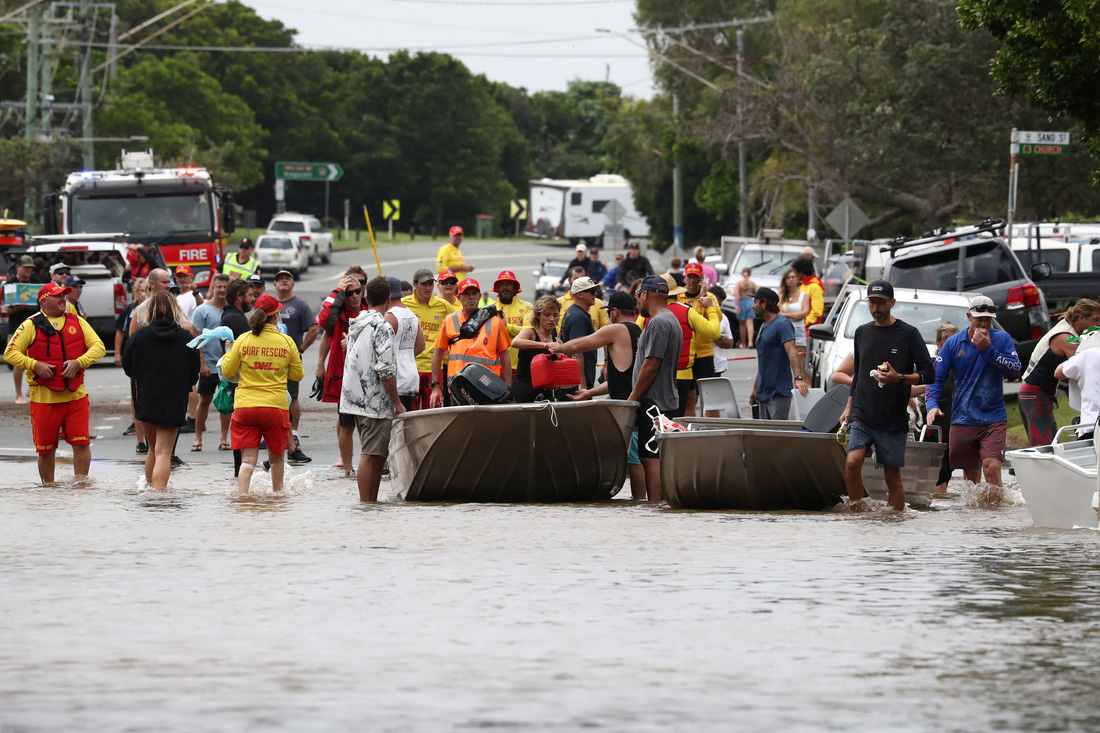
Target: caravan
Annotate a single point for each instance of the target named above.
(583, 210)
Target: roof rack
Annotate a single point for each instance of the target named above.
(942, 235)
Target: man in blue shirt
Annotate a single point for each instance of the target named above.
(209, 316)
(981, 359)
(611, 279)
(774, 349)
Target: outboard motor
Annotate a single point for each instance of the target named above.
(476, 384)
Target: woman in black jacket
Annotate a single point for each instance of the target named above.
(161, 370)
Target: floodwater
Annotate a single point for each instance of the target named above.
(188, 610)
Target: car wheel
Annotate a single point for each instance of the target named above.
(328, 257)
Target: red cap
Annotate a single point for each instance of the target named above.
(268, 304)
(447, 275)
(467, 284)
(694, 269)
(456, 230)
(52, 289)
(507, 275)
(184, 270)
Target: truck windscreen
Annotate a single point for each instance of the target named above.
(157, 213)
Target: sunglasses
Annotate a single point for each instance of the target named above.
(984, 309)
(451, 283)
(357, 291)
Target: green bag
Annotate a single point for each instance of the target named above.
(223, 398)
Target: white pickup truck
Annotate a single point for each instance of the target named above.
(311, 234)
(101, 265)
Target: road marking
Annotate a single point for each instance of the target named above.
(102, 427)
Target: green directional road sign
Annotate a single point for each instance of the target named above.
(288, 171)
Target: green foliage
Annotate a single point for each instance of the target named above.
(1049, 52)
(23, 161)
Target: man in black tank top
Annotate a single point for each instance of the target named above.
(619, 341)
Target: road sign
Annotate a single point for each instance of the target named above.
(1041, 149)
(1043, 138)
(614, 211)
(847, 218)
(308, 171)
(519, 209)
(391, 210)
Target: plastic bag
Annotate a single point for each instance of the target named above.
(223, 398)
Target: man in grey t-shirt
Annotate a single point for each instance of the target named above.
(655, 372)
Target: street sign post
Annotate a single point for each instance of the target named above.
(847, 218)
(289, 171)
(614, 211)
(1030, 143)
(391, 212)
(519, 211)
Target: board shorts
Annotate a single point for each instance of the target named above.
(972, 444)
(745, 311)
(207, 386)
(292, 388)
(889, 446)
(703, 368)
(69, 420)
(250, 424)
(374, 435)
(1037, 411)
(632, 453)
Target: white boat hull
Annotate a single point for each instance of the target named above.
(1058, 482)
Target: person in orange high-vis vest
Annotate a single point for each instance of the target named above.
(55, 348)
(489, 348)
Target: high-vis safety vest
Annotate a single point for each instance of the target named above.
(55, 347)
(232, 267)
(482, 349)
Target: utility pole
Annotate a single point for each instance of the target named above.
(87, 35)
(677, 186)
(742, 173)
(30, 191)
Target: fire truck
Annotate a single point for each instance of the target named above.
(180, 210)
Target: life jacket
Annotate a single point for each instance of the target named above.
(232, 266)
(680, 310)
(55, 347)
(478, 350)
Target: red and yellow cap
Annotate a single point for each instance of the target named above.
(694, 268)
(506, 275)
(268, 304)
(447, 275)
(52, 289)
(184, 270)
(455, 230)
(467, 284)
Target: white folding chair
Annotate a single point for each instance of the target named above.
(716, 393)
(801, 406)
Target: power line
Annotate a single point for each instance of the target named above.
(346, 49)
(514, 3)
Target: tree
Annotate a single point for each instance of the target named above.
(1050, 52)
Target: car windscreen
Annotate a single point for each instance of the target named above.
(986, 263)
(838, 271)
(554, 269)
(287, 226)
(274, 243)
(1058, 257)
(926, 317)
(764, 263)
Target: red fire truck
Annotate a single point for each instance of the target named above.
(181, 210)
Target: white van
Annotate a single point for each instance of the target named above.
(577, 210)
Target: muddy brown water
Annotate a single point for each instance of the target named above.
(190, 610)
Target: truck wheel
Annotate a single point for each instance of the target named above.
(328, 257)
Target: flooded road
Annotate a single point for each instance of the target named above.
(189, 610)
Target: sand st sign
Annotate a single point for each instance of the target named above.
(1040, 143)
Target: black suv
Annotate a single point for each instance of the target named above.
(971, 260)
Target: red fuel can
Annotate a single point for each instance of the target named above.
(549, 371)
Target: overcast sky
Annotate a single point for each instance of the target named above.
(539, 45)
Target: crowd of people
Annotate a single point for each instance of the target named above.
(386, 346)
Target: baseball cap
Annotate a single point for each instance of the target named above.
(582, 247)
(673, 288)
(654, 284)
(982, 306)
(256, 278)
(246, 243)
(467, 284)
(268, 304)
(633, 245)
(621, 301)
(767, 295)
(395, 286)
(455, 230)
(447, 275)
(423, 275)
(72, 280)
(52, 289)
(59, 266)
(184, 270)
(582, 284)
(279, 274)
(694, 268)
(880, 289)
(173, 286)
(809, 252)
(26, 261)
(507, 275)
